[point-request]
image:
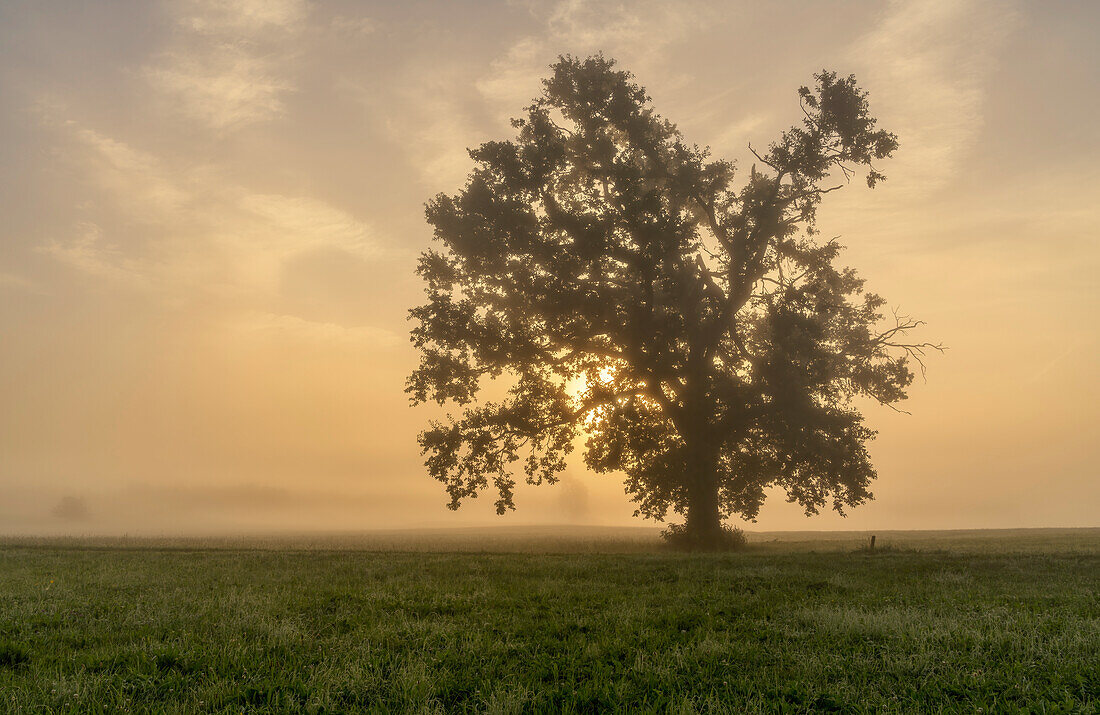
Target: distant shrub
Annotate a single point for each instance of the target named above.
(71, 509)
(729, 538)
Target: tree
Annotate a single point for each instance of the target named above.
(619, 284)
(71, 508)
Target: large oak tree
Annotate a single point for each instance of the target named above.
(612, 280)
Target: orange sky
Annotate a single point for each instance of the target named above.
(212, 212)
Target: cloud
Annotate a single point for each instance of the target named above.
(12, 280)
(353, 27)
(227, 64)
(127, 172)
(733, 137)
(215, 17)
(273, 325)
(444, 113)
(88, 252)
(926, 64)
(435, 126)
(308, 223)
(186, 229)
(267, 230)
(639, 35)
(226, 89)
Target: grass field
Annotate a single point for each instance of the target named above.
(564, 621)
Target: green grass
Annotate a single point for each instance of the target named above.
(930, 622)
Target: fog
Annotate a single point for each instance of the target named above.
(212, 213)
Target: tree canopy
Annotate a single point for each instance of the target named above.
(620, 285)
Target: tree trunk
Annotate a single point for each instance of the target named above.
(703, 525)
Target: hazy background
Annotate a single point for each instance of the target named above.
(210, 213)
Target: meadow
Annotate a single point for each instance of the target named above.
(552, 621)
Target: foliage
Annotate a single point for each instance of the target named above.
(774, 628)
(730, 538)
(717, 346)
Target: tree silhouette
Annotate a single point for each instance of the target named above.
(70, 508)
(617, 283)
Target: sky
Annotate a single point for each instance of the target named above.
(211, 212)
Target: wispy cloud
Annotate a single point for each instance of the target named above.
(442, 115)
(281, 326)
(227, 64)
(927, 64)
(639, 35)
(352, 27)
(87, 251)
(187, 228)
(435, 126)
(124, 171)
(13, 280)
(306, 223)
